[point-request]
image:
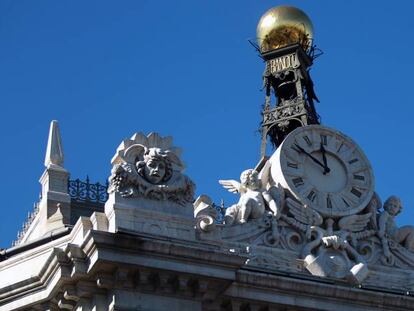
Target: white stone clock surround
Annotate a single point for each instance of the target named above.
(348, 186)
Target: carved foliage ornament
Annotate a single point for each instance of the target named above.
(150, 167)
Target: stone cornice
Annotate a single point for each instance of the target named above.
(316, 293)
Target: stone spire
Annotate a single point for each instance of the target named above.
(54, 150)
(54, 207)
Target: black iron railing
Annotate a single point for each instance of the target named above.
(85, 191)
(81, 191)
(221, 210)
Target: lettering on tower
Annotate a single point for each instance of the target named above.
(282, 63)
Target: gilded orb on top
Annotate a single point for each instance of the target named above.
(284, 25)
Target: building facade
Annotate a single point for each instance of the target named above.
(307, 232)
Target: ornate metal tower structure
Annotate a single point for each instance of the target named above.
(285, 41)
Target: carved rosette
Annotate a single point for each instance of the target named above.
(150, 167)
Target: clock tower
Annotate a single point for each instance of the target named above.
(318, 166)
(284, 37)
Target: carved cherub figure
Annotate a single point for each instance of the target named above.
(155, 166)
(388, 228)
(150, 167)
(253, 198)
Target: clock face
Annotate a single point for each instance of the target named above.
(325, 170)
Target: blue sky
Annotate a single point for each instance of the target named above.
(108, 69)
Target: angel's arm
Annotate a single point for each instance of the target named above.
(373, 206)
(382, 223)
(271, 203)
(275, 198)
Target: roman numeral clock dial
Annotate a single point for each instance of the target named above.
(324, 169)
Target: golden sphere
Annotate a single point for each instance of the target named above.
(284, 25)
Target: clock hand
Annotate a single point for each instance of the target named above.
(325, 161)
(310, 156)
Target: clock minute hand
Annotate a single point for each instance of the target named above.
(310, 156)
(325, 161)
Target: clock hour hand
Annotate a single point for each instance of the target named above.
(301, 150)
(326, 169)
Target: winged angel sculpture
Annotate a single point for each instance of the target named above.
(329, 245)
(254, 199)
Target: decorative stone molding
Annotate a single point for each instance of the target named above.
(205, 213)
(288, 235)
(150, 167)
(148, 191)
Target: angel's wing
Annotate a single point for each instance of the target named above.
(374, 206)
(278, 194)
(232, 185)
(354, 223)
(304, 214)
